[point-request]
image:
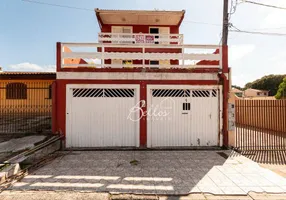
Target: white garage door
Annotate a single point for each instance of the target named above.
(183, 116)
(97, 116)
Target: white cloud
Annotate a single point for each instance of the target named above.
(30, 67)
(237, 52)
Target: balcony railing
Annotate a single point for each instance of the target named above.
(139, 38)
(106, 55)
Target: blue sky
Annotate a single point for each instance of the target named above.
(29, 32)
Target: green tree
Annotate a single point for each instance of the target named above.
(269, 82)
(237, 87)
(281, 92)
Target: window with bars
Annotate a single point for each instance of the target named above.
(200, 93)
(204, 93)
(16, 91)
(103, 92)
(183, 93)
(186, 106)
(170, 93)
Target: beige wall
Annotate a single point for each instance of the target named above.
(231, 134)
(254, 93)
(266, 114)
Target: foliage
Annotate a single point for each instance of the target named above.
(237, 87)
(281, 90)
(269, 82)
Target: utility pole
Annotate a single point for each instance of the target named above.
(225, 22)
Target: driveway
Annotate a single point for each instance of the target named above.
(156, 172)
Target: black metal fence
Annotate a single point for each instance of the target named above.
(25, 107)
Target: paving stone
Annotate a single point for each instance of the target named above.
(265, 196)
(47, 195)
(272, 189)
(232, 190)
(211, 189)
(165, 173)
(251, 189)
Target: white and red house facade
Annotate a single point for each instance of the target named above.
(141, 86)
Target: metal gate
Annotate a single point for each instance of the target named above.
(183, 116)
(97, 116)
(25, 107)
(260, 124)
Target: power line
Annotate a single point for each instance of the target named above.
(262, 4)
(269, 28)
(233, 6)
(259, 33)
(57, 5)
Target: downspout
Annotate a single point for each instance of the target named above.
(224, 79)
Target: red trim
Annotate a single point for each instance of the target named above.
(59, 56)
(61, 107)
(145, 25)
(86, 69)
(163, 82)
(54, 107)
(143, 120)
(225, 80)
(225, 59)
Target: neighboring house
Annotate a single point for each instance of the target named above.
(141, 85)
(255, 93)
(237, 92)
(26, 92)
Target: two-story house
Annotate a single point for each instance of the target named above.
(141, 85)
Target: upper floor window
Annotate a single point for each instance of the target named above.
(127, 62)
(162, 37)
(121, 63)
(155, 31)
(124, 34)
(16, 91)
(154, 62)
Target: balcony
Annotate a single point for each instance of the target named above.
(145, 55)
(140, 38)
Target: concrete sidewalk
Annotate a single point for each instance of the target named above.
(62, 195)
(154, 172)
(15, 145)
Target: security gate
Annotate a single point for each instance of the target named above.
(183, 116)
(97, 116)
(25, 107)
